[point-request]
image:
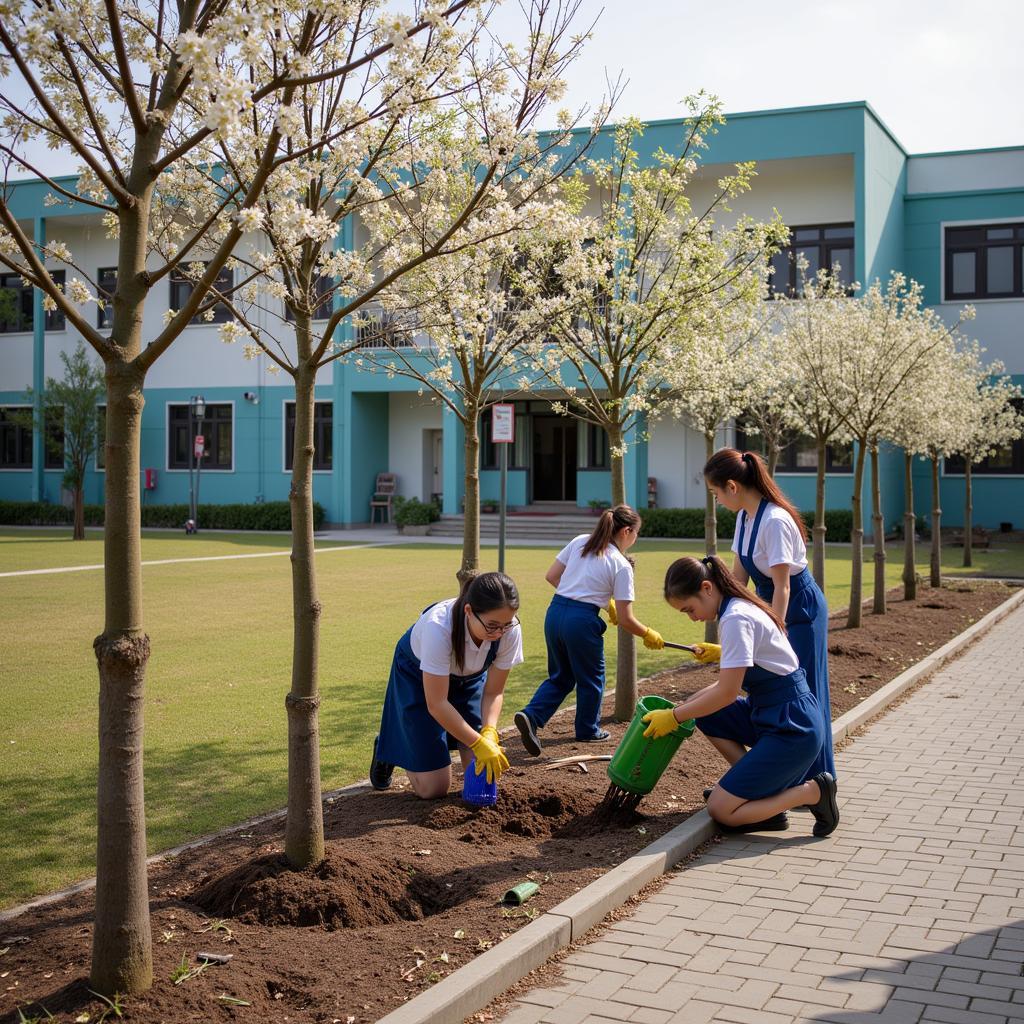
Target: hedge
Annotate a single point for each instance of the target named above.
(270, 515)
(689, 522)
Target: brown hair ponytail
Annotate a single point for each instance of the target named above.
(486, 592)
(685, 575)
(748, 470)
(612, 520)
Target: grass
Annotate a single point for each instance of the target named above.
(220, 668)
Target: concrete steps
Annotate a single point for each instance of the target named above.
(560, 528)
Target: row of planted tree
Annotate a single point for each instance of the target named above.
(335, 155)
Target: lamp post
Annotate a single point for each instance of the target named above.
(196, 412)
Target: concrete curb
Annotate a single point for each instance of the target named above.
(474, 985)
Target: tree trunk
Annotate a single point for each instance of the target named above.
(304, 825)
(820, 529)
(853, 617)
(773, 459)
(122, 954)
(936, 566)
(968, 514)
(78, 531)
(710, 532)
(471, 516)
(625, 658)
(878, 535)
(909, 526)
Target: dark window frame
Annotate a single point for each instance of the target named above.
(53, 320)
(596, 440)
(973, 238)
(17, 438)
(212, 428)
(788, 462)
(489, 450)
(323, 436)
(51, 460)
(826, 247)
(182, 287)
(324, 284)
(106, 279)
(955, 465)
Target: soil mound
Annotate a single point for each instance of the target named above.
(345, 890)
(533, 812)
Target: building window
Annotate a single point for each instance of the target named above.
(518, 457)
(106, 279)
(597, 452)
(15, 437)
(380, 330)
(825, 245)
(16, 305)
(182, 288)
(800, 455)
(984, 262)
(53, 446)
(323, 424)
(324, 298)
(1008, 461)
(216, 428)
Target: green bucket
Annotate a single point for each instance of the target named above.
(637, 764)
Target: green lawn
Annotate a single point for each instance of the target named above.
(215, 719)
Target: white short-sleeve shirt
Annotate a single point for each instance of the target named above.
(749, 637)
(594, 579)
(432, 644)
(778, 541)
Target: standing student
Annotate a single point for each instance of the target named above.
(588, 574)
(772, 736)
(446, 686)
(770, 548)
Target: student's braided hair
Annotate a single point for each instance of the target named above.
(484, 593)
(685, 575)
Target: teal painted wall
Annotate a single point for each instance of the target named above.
(884, 186)
(490, 486)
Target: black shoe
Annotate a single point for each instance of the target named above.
(826, 810)
(707, 793)
(380, 771)
(776, 823)
(527, 733)
(601, 734)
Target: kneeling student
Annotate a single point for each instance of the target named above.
(771, 736)
(446, 686)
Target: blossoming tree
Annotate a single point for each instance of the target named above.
(149, 96)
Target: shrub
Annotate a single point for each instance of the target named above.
(269, 515)
(413, 512)
(689, 522)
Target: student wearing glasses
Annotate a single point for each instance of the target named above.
(589, 573)
(447, 680)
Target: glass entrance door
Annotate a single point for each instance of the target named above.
(554, 458)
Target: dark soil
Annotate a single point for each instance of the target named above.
(411, 890)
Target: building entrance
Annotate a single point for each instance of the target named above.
(554, 458)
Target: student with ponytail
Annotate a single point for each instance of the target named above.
(774, 734)
(445, 691)
(770, 548)
(590, 573)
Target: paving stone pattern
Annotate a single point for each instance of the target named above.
(912, 911)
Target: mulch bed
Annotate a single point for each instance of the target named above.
(410, 890)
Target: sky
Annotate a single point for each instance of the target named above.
(942, 75)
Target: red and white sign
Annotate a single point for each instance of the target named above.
(503, 423)
(200, 445)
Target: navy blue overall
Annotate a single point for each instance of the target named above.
(574, 633)
(781, 723)
(410, 736)
(806, 629)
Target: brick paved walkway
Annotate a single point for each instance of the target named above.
(912, 911)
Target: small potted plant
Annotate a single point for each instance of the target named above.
(598, 505)
(413, 517)
(487, 505)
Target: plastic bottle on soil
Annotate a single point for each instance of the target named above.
(476, 790)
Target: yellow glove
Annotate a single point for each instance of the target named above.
(488, 755)
(653, 640)
(613, 615)
(491, 733)
(662, 722)
(708, 653)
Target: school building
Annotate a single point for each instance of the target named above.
(849, 192)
